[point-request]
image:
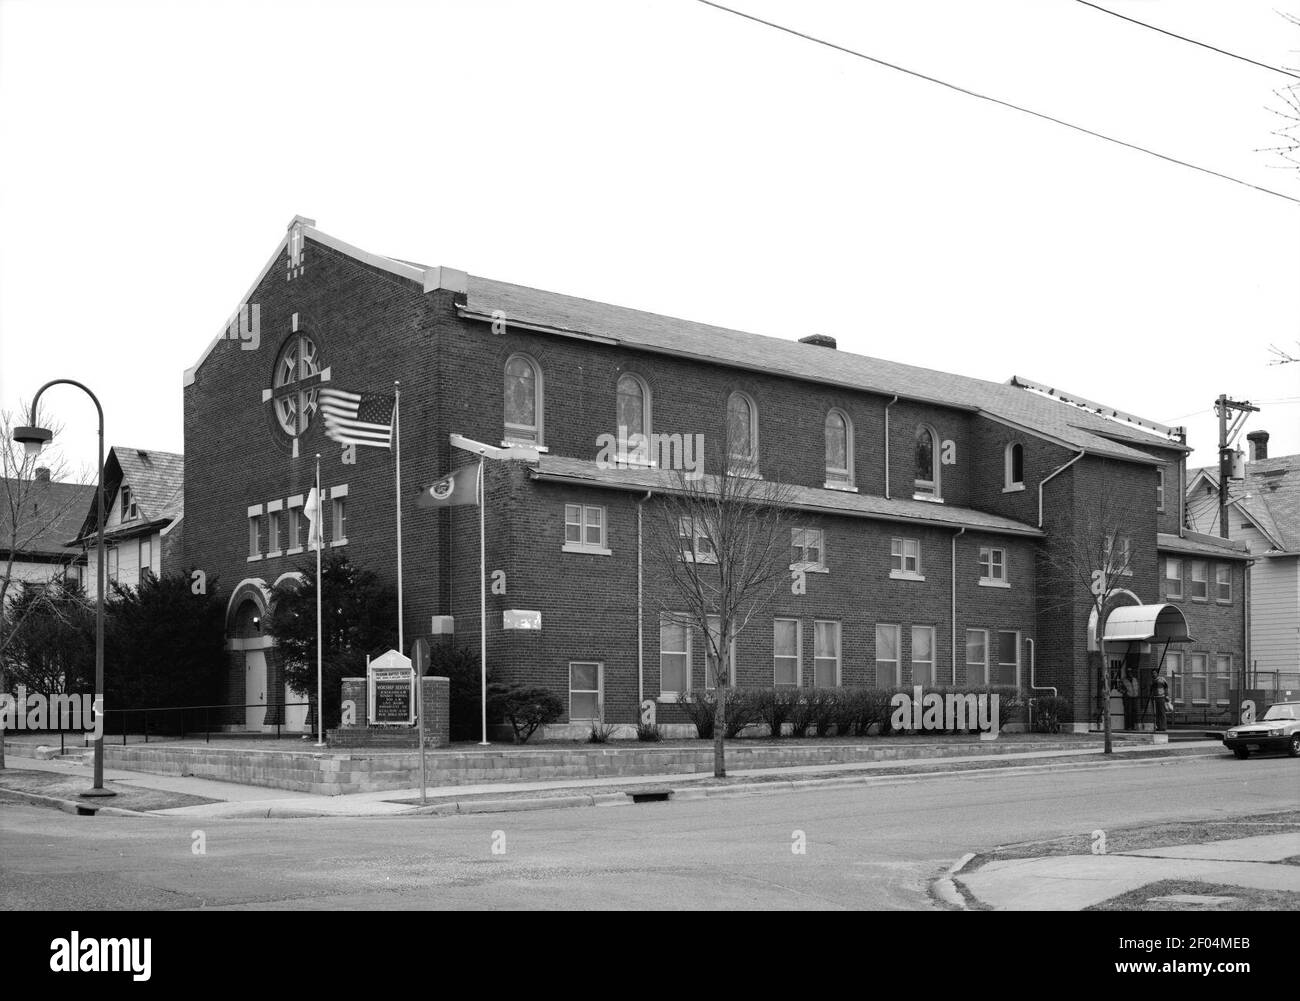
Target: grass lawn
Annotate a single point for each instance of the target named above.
(1241, 898)
(62, 786)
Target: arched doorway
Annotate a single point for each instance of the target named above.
(250, 682)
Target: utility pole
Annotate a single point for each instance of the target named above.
(1227, 434)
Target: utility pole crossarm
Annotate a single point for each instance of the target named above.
(1227, 435)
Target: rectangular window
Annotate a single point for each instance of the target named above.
(887, 665)
(1199, 678)
(1223, 583)
(111, 569)
(1222, 678)
(696, 543)
(1174, 669)
(1008, 670)
(146, 557)
(294, 538)
(584, 690)
(905, 558)
(993, 565)
(674, 655)
(826, 653)
(977, 656)
(1173, 578)
(273, 529)
(255, 532)
(129, 510)
(1199, 587)
(923, 656)
(786, 646)
(339, 524)
(808, 547)
(1160, 489)
(584, 529)
(711, 670)
(1117, 553)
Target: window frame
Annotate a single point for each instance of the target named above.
(797, 657)
(1220, 676)
(1222, 570)
(836, 478)
(901, 572)
(984, 664)
(1203, 581)
(302, 389)
(931, 489)
(130, 509)
(1174, 673)
(688, 631)
(987, 565)
(255, 550)
(933, 662)
(838, 633)
(1018, 662)
(1170, 594)
(1199, 677)
(146, 563)
(339, 515)
(515, 434)
(896, 660)
(802, 547)
(1160, 489)
(731, 657)
(738, 464)
(584, 524)
(626, 451)
(1010, 482)
(687, 528)
(293, 529)
(598, 691)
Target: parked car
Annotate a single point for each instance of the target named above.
(1279, 730)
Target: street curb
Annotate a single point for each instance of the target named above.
(72, 806)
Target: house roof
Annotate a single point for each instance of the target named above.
(1196, 544)
(55, 509)
(1269, 496)
(833, 502)
(157, 482)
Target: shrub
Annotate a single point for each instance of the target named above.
(811, 711)
(462, 669)
(1048, 711)
(742, 710)
(525, 708)
(699, 705)
(857, 708)
(648, 732)
(773, 707)
(600, 731)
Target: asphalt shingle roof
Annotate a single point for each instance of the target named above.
(157, 481)
(55, 509)
(1270, 495)
(1195, 544)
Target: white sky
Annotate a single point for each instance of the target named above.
(662, 155)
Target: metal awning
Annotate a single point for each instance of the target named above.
(1147, 623)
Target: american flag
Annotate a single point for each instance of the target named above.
(357, 418)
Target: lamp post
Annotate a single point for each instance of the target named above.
(33, 439)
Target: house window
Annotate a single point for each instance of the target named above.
(888, 674)
(1160, 489)
(584, 529)
(839, 450)
(523, 401)
(696, 543)
(927, 463)
(977, 656)
(905, 558)
(711, 667)
(584, 690)
(296, 382)
(993, 566)
(742, 435)
(1223, 583)
(255, 532)
(339, 512)
(786, 646)
(1173, 578)
(826, 653)
(633, 416)
(274, 536)
(808, 547)
(674, 655)
(1222, 679)
(1014, 467)
(923, 656)
(129, 510)
(1199, 587)
(1199, 678)
(1008, 670)
(1174, 669)
(146, 557)
(111, 570)
(1117, 553)
(294, 538)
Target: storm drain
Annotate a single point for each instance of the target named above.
(651, 796)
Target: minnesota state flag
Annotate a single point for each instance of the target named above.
(460, 487)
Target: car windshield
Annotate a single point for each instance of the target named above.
(1287, 710)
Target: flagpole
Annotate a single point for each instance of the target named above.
(482, 598)
(320, 657)
(397, 440)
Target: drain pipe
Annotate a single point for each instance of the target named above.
(1043, 482)
(640, 609)
(1033, 686)
(960, 532)
(887, 406)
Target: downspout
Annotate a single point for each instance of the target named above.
(887, 406)
(960, 532)
(1051, 476)
(1245, 625)
(1033, 687)
(640, 609)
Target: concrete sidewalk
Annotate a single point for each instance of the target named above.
(237, 800)
(1074, 882)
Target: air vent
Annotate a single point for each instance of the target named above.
(820, 340)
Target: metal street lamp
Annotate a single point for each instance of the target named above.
(33, 439)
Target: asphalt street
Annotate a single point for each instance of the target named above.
(874, 847)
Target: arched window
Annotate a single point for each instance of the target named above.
(927, 462)
(633, 415)
(294, 384)
(839, 449)
(1015, 467)
(742, 435)
(523, 401)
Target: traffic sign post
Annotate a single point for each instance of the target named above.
(420, 661)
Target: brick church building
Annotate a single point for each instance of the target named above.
(925, 499)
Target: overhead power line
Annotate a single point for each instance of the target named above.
(1193, 41)
(994, 100)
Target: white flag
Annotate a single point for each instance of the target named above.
(315, 531)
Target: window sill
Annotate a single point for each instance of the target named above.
(254, 559)
(669, 698)
(928, 498)
(338, 542)
(745, 472)
(274, 552)
(570, 547)
(905, 575)
(1220, 601)
(1013, 488)
(707, 560)
(994, 583)
(293, 552)
(810, 567)
(846, 487)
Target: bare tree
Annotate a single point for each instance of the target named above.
(1088, 565)
(1283, 357)
(29, 509)
(723, 544)
(1288, 133)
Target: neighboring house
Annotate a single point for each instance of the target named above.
(143, 509)
(925, 499)
(46, 514)
(1264, 514)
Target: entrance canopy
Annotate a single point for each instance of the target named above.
(1148, 623)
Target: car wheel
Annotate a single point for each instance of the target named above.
(1241, 752)
(1294, 748)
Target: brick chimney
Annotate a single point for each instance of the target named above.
(1258, 445)
(42, 474)
(821, 340)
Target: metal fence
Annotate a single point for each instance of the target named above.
(183, 721)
